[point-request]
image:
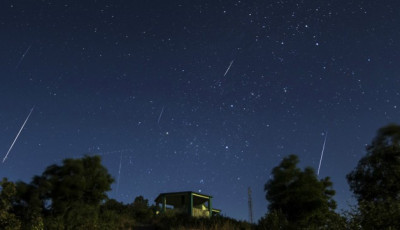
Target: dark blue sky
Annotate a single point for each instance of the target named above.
(146, 82)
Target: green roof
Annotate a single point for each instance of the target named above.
(158, 199)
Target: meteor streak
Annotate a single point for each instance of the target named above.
(159, 117)
(229, 67)
(23, 56)
(22, 127)
(322, 153)
(119, 173)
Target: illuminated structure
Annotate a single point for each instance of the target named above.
(192, 203)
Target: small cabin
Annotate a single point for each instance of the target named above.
(192, 203)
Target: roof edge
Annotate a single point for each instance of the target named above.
(183, 192)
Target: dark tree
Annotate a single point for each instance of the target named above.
(377, 175)
(114, 215)
(28, 206)
(8, 219)
(375, 181)
(73, 192)
(140, 203)
(299, 196)
(141, 210)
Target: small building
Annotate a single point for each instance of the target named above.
(192, 203)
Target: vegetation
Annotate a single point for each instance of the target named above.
(375, 182)
(74, 196)
(8, 220)
(297, 199)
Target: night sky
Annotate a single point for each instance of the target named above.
(206, 96)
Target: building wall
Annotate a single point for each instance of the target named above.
(200, 213)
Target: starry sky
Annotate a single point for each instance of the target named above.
(199, 95)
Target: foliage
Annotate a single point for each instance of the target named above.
(275, 219)
(374, 215)
(28, 206)
(170, 220)
(375, 182)
(141, 211)
(77, 180)
(116, 215)
(376, 177)
(71, 194)
(298, 197)
(8, 220)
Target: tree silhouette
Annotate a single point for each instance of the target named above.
(74, 191)
(28, 206)
(8, 220)
(299, 196)
(375, 181)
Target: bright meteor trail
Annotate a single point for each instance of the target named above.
(229, 67)
(23, 56)
(22, 127)
(159, 117)
(322, 153)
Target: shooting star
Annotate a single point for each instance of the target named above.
(322, 153)
(22, 127)
(159, 117)
(229, 67)
(23, 56)
(119, 173)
